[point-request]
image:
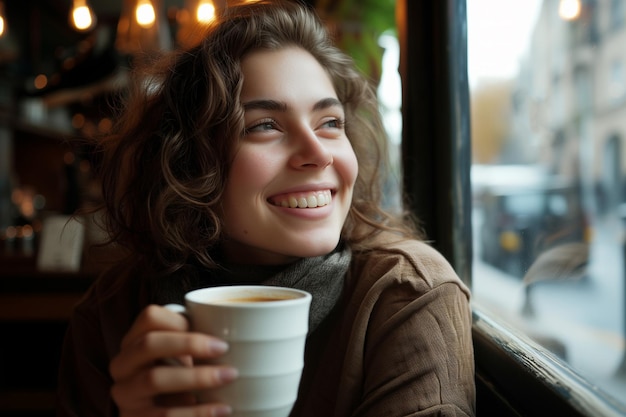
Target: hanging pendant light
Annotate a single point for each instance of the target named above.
(142, 27)
(205, 11)
(570, 9)
(144, 13)
(82, 17)
(193, 19)
(3, 27)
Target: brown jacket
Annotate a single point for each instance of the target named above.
(398, 343)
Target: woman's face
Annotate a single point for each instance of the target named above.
(290, 185)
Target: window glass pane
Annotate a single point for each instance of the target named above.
(390, 99)
(548, 101)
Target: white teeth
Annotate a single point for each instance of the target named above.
(319, 199)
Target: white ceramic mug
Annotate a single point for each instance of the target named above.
(266, 330)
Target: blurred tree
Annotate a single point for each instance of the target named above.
(490, 119)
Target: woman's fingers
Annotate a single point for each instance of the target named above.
(145, 385)
(158, 334)
(159, 345)
(154, 317)
(140, 391)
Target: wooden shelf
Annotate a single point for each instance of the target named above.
(42, 131)
(27, 294)
(37, 307)
(27, 400)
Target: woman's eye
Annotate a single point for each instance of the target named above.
(334, 124)
(262, 126)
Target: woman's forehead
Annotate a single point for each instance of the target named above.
(282, 73)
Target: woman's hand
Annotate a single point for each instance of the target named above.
(145, 385)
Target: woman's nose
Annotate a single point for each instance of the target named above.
(310, 151)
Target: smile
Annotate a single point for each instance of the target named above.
(303, 200)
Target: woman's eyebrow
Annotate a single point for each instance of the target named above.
(282, 106)
(326, 103)
(265, 105)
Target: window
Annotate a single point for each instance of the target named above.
(549, 178)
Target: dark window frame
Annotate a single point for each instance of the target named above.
(514, 376)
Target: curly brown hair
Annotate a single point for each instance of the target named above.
(165, 165)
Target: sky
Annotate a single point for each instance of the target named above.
(497, 36)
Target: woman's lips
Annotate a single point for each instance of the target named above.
(310, 199)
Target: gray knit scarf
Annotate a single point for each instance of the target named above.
(322, 276)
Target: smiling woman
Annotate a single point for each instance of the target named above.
(256, 157)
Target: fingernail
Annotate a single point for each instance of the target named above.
(222, 411)
(227, 374)
(218, 346)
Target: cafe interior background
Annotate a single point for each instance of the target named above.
(63, 66)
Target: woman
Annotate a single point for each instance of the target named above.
(254, 157)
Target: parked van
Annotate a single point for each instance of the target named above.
(525, 212)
